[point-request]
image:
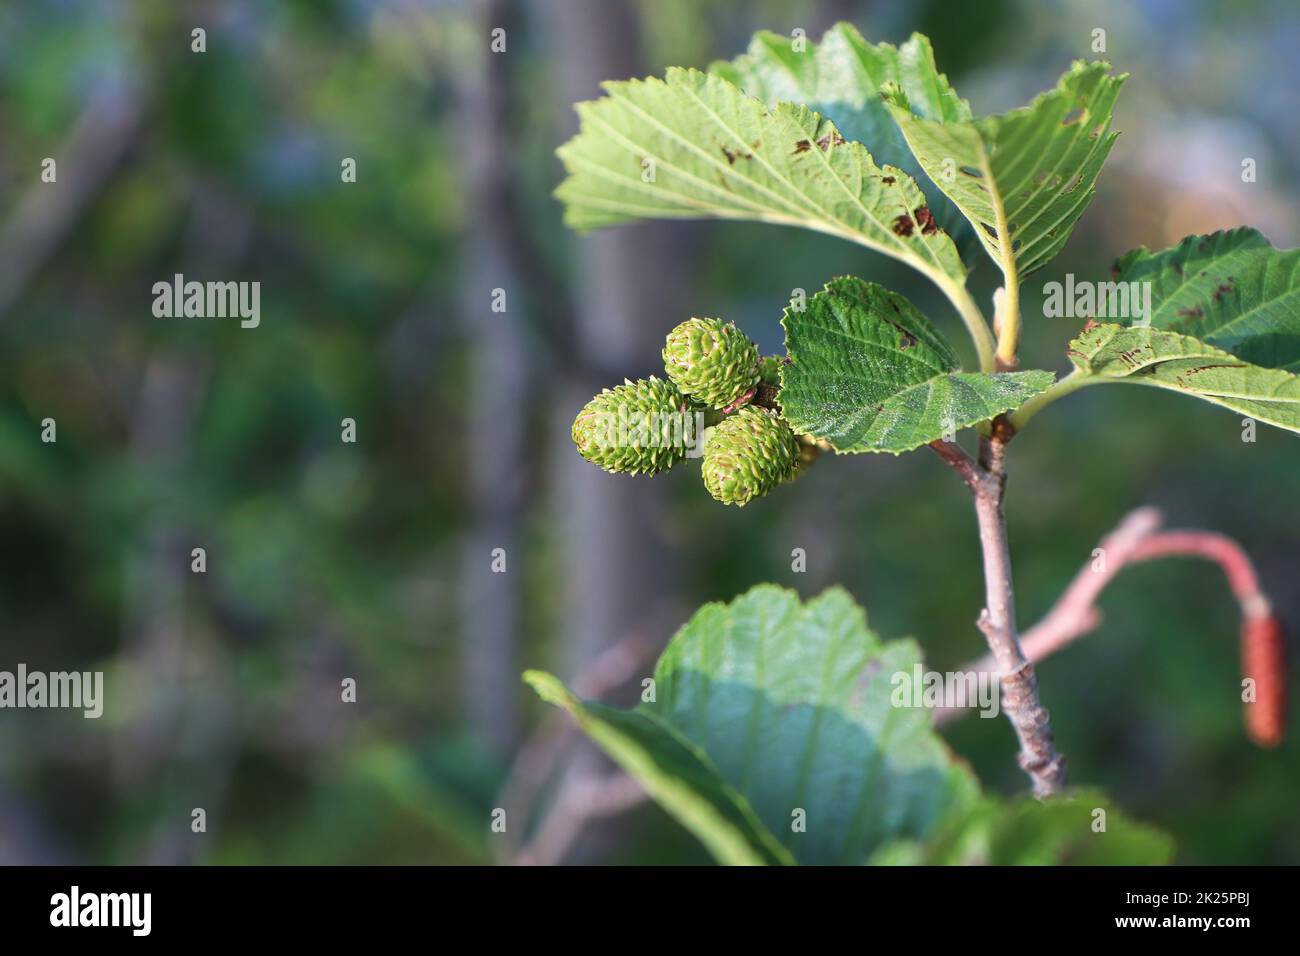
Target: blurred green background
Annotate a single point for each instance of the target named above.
(328, 560)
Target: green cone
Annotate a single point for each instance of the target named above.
(635, 428)
(747, 455)
(712, 361)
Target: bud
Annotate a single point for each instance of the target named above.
(712, 362)
(769, 372)
(747, 455)
(635, 428)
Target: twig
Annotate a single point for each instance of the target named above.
(1075, 613)
(537, 759)
(581, 800)
(956, 456)
(104, 132)
(1221, 549)
(1139, 538)
(1020, 702)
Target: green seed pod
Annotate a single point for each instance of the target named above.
(712, 362)
(748, 454)
(635, 428)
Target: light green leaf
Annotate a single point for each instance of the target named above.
(1224, 326)
(842, 78)
(791, 704)
(867, 372)
(1064, 830)
(675, 773)
(1022, 178)
(695, 146)
(1183, 364)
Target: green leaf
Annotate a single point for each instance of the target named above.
(1063, 830)
(867, 372)
(768, 706)
(789, 704)
(842, 78)
(1022, 178)
(1224, 326)
(1231, 289)
(695, 146)
(675, 773)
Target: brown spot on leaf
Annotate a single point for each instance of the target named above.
(907, 341)
(888, 180)
(903, 225)
(1193, 313)
(1133, 357)
(731, 157)
(829, 140)
(802, 146)
(925, 219)
(1206, 368)
(1072, 117)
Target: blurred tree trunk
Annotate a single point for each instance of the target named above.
(617, 566)
(497, 397)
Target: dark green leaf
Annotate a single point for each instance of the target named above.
(1077, 829)
(867, 372)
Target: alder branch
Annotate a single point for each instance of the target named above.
(986, 478)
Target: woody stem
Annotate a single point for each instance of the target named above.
(1020, 699)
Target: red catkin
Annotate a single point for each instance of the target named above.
(1263, 658)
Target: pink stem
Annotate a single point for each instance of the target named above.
(1236, 564)
(1138, 538)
